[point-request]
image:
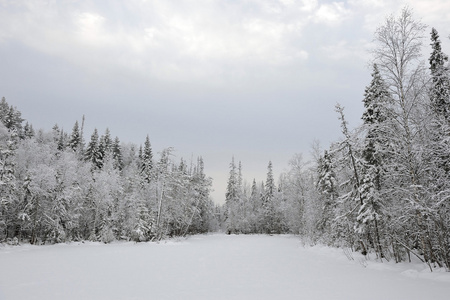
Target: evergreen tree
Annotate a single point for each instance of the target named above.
(440, 78)
(4, 110)
(327, 187)
(146, 157)
(377, 104)
(108, 141)
(232, 200)
(92, 152)
(56, 132)
(75, 138)
(62, 141)
(269, 216)
(8, 201)
(439, 153)
(376, 117)
(144, 228)
(101, 153)
(117, 154)
(11, 118)
(231, 195)
(28, 131)
(14, 121)
(239, 178)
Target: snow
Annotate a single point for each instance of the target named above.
(210, 267)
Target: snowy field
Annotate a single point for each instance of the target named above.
(209, 267)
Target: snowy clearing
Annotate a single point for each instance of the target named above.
(209, 267)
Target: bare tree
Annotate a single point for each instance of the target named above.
(398, 56)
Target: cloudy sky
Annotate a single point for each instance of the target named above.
(257, 79)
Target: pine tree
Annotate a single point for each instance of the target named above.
(56, 132)
(269, 216)
(62, 141)
(439, 154)
(146, 156)
(232, 192)
(255, 206)
(376, 147)
(75, 138)
(231, 199)
(107, 141)
(14, 121)
(270, 183)
(7, 187)
(327, 187)
(4, 110)
(440, 78)
(239, 178)
(101, 152)
(117, 154)
(144, 228)
(11, 118)
(92, 151)
(377, 104)
(28, 131)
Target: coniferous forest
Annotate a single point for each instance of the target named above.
(383, 188)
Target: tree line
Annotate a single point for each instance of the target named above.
(384, 188)
(56, 188)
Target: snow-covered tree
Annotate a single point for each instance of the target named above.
(28, 130)
(146, 161)
(75, 138)
(117, 154)
(440, 78)
(271, 222)
(91, 153)
(7, 183)
(327, 186)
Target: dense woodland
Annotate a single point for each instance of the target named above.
(383, 188)
(55, 187)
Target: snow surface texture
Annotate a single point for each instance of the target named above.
(209, 267)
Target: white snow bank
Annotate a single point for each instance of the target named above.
(209, 267)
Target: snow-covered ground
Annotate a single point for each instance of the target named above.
(209, 267)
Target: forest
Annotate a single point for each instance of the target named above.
(55, 187)
(383, 188)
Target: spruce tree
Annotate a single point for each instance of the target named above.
(28, 131)
(4, 109)
(92, 151)
(117, 154)
(75, 138)
(439, 154)
(377, 103)
(440, 78)
(232, 200)
(7, 187)
(108, 141)
(11, 118)
(146, 156)
(231, 194)
(62, 141)
(269, 216)
(327, 187)
(101, 152)
(56, 132)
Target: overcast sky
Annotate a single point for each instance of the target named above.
(257, 79)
